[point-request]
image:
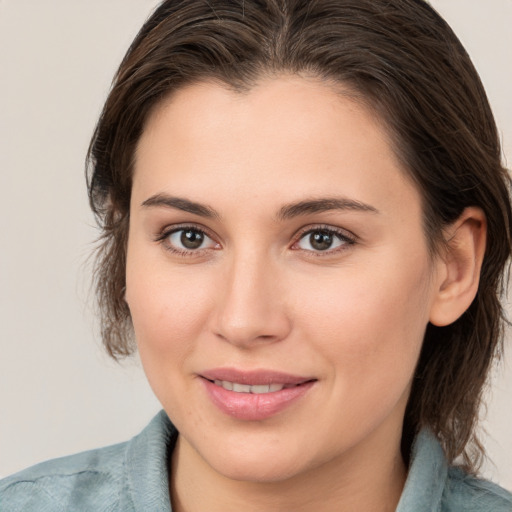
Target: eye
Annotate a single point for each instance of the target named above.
(187, 239)
(323, 240)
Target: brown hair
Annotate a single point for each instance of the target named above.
(404, 61)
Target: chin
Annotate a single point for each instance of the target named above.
(267, 471)
(250, 461)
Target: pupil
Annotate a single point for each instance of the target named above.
(191, 239)
(321, 240)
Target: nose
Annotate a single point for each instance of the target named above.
(251, 306)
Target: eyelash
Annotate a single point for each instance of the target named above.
(347, 239)
(163, 237)
(344, 237)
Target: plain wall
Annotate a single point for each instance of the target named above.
(59, 393)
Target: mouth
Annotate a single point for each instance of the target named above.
(256, 389)
(253, 381)
(254, 395)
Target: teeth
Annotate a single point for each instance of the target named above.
(227, 385)
(246, 388)
(260, 389)
(241, 388)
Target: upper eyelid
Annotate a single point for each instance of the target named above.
(325, 227)
(162, 239)
(172, 228)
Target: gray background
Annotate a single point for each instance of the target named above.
(59, 393)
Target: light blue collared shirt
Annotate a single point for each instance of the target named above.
(133, 477)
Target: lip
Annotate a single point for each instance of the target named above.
(254, 377)
(254, 406)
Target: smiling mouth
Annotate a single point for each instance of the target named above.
(254, 389)
(254, 395)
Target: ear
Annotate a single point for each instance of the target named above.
(459, 267)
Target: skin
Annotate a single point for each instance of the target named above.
(257, 295)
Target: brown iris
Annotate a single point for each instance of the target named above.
(321, 240)
(191, 239)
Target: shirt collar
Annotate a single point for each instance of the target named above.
(147, 458)
(148, 453)
(427, 476)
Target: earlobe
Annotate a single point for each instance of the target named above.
(460, 264)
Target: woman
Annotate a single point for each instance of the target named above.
(305, 227)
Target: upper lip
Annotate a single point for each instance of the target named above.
(253, 377)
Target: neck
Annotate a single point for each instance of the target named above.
(369, 479)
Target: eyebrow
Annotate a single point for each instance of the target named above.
(326, 204)
(179, 203)
(289, 211)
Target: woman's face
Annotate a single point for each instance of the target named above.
(278, 277)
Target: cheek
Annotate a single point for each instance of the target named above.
(370, 324)
(169, 313)
(169, 308)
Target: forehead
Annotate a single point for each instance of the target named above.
(303, 105)
(286, 136)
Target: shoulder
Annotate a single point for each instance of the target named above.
(433, 485)
(469, 494)
(124, 477)
(92, 480)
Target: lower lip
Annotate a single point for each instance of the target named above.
(254, 406)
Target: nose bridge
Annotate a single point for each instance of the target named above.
(250, 307)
